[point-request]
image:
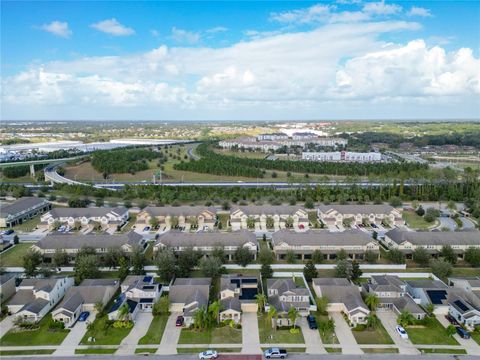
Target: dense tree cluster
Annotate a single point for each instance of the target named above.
(13, 172)
(218, 164)
(122, 160)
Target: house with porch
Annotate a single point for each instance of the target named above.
(187, 295)
(178, 217)
(34, 298)
(237, 295)
(84, 297)
(267, 217)
(338, 215)
(354, 242)
(343, 296)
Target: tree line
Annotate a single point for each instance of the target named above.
(122, 161)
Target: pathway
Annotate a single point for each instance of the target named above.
(250, 333)
(6, 325)
(312, 338)
(129, 343)
(74, 337)
(469, 345)
(168, 345)
(344, 335)
(389, 321)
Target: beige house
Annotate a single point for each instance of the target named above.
(22, 210)
(108, 218)
(337, 215)
(432, 241)
(72, 243)
(283, 294)
(354, 242)
(206, 242)
(269, 218)
(237, 295)
(172, 217)
(84, 298)
(187, 295)
(343, 296)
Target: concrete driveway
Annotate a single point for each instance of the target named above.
(389, 321)
(250, 333)
(469, 345)
(344, 334)
(168, 345)
(312, 338)
(129, 342)
(74, 337)
(6, 325)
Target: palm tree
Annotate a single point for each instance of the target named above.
(98, 307)
(214, 310)
(372, 321)
(123, 312)
(405, 318)
(272, 314)
(293, 315)
(200, 318)
(372, 301)
(261, 301)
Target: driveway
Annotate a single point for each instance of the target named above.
(312, 338)
(6, 325)
(129, 343)
(74, 337)
(469, 345)
(344, 334)
(389, 321)
(250, 334)
(168, 345)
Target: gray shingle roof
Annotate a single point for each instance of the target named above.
(90, 291)
(331, 282)
(231, 303)
(192, 281)
(349, 295)
(21, 205)
(77, 241)
(178, 210)
(87, 212)
(35, 306)
(386, 283)
(188, 291)
(434, 237)
(358, 209)
(426, 284)
(178, 238)
(268, 209)
(321, 237)
(284, 285)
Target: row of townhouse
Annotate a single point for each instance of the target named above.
(108, 218)
(343, 156)
(432, 241)
(170, 217)
(337, 215)
(22, 210)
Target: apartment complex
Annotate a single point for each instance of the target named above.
(172, 217)
(342, 156)
(337, 215)
(22, 210)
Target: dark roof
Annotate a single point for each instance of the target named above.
(358, 209)
(321, 237)
(35, 306)
(77, 241)
(434, 237)
(179, 238)
(87, 212)
(268, 209)
(178, 210)
(20, 205)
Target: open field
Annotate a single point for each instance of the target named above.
(217, 335)
(417, 222)
(14, 255)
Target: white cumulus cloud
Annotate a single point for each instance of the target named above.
(185, 36)
(419, 11)
(112, 27)
(57, 28)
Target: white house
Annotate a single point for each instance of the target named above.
(336, 215)
(269, 218)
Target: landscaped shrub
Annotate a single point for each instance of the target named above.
(123, 324)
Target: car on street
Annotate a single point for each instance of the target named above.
(401, 331)
(374, 226)
(180, 321)
(84, 316)
(208, 354)
(312, 322)
(464, 334)
(7, 232)
(277, 353)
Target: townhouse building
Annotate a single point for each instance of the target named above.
(22, 210)
(337, 215)
(342, 156)
(172, 217)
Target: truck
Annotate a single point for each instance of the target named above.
(273, 353)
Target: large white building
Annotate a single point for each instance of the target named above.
(346, 156)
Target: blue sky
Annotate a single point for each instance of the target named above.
(240, 60)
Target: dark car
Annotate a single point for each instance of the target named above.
(8, 232)
(464, 334)
(312, 322)
(83, 316)
(179, 321)
(451, 319)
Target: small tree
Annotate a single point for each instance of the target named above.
(472, 256)
(448, 254)
(430, 308)
(243, 256)
(162, 306)
(261, 301)
(31, 260)
(441, 268)
(356, 271)
(251, 222)
(405, 318)
(421, 256)
(420, 211)
(372, 301)
(211, 267)
(372, 321)
(451, 330)
(219, 253)
(396, 256)
(309, 271)
(272, 317)
(371, 257)
(293, 315)
(343, 269)
(266, 271)
(60, 258)
(289, 222)
(290, 257)
(187, 261)
(86, 267)
(269, 222)
(342, 255)
(124, 268)
(154, 223)
(322, 304)
(395, 201)
(317, 257)
(138, 261)
(166, 264)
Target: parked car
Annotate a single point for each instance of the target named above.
(374, 226)
(312, 322)
(464, 334)
(146, 228)
(275, 353)
(7, 232)
(83, 316)
(451, 320)
(208, 354)
(180, 321)
(401, 331)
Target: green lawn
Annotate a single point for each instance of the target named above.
(41, 336)
(145, 350)
(327, 337)
(94, 351)
(416, 222)
(476, 336)
(26, 352)
(432, 333)
(333, 350)
(217, 335)
(380, 351)
(376, 336)
(104, 335)
(155, 331)
(443, 351)
(28, 226)
(279, 336)
(198, 350)
(14, 255)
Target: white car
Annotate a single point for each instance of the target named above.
(208, 354)
(401, 331)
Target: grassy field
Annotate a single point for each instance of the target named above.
(103, 336)
(92, 351)
(217, 335)
(376, 336)
(42, 336)
(278, 336)
(155, 331)
(26, 352)
(432, 333)
(14, 255)
(416, 222)
(28, 226)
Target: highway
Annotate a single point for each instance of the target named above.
(42, 161)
